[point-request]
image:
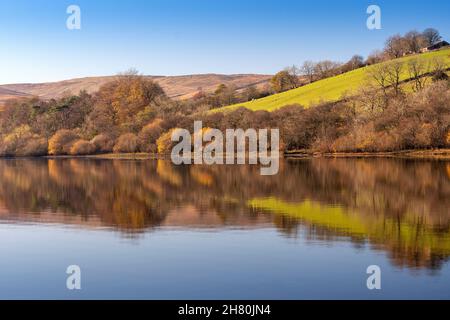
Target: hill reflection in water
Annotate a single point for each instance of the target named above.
(398, 206)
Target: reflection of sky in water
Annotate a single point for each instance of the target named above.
(151, 230)
(196, 264)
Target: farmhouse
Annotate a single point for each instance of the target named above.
(435, 46)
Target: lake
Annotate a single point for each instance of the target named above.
(146, 229)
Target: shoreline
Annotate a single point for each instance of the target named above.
(434, 154)
(439, 154)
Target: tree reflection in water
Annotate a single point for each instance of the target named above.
(400, 206)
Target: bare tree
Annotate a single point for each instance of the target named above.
(394, 72)
(376, 56)
(438, 69)
(307, 69)
(294, 71)
(415, 41)
(379, 75)
(438, 64)
(431, 36)
(387, 75)
(395, 46)
(418, 69)
(326, 68)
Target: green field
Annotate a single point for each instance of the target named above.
(327, 90)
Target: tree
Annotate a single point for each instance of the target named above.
(149, 134)
(417, 69)
(283, 81)
(438, 69)
(103, 143)
(294, 72)
(415, 41)
(355, 62)
(375, 57)
(165, 143)
(307, 69)
(127, 96)
(326, 68)
(394, 72)
(395, 46)
(62, 142)
(250, 93)
(82, 147)
(431, 36)
(224, 95)
(379, 74)
(127, 143)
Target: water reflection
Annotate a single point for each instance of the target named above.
(398, 206)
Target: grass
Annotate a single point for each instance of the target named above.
(326, 90)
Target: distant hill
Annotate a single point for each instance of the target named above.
(177, 87)
(326, 90)
(6, 94)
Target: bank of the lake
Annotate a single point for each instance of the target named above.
(440, 154)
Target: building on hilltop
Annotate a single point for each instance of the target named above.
(436, 46)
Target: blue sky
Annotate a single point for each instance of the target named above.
(174, 37)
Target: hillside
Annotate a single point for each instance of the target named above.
(177, 87)
(6, 94)
(330, 89)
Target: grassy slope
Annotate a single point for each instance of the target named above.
(330, 89)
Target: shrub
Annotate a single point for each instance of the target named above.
(34, 147)
(148, 136)
(82, 147)
(165, 143)
(103, 143)
(440, 76)
(127, 143)
(23, 142)
(62, 142)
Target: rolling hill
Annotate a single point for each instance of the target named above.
(326, 90)
(177, 87)
(6, 94)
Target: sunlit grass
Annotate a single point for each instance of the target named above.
(328, 90)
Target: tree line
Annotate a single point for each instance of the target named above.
(396, 46)
(133, 114)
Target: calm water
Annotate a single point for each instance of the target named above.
(147, 229)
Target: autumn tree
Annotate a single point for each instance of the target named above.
(126, 143)
(61, 142)
(283, 81)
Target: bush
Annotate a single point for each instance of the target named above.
(62, 142)
(82, 147)
(103, 143)
(440, 76)
(165, 143)
(34, 147)
(23, 142)
(127, 143)
(148, 136)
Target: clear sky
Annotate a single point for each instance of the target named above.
(174, 37)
